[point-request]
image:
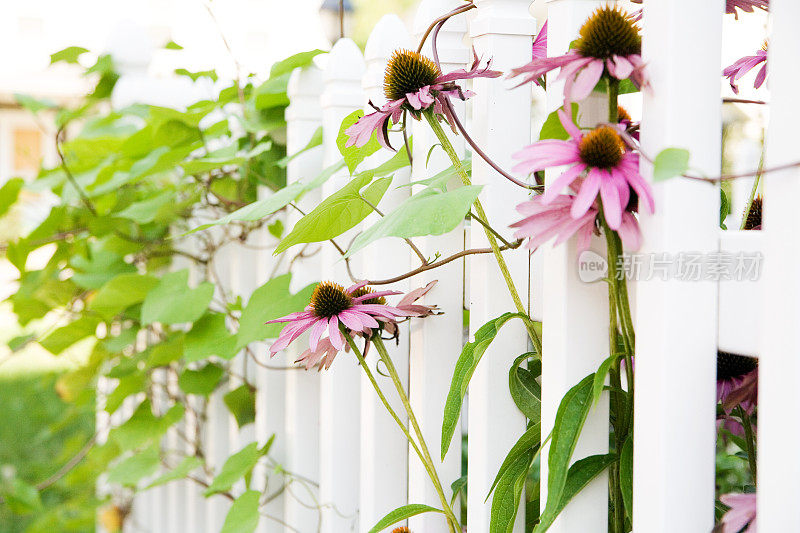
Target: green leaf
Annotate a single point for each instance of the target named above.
(194, 76)
(402, 513)
(167, 352)
(570, 418)
(201, 382)
(145, 211)
(724, 208)
(456, 487)
(243, 515)
(440, 180)
(552, 127)
(315, 141)
(241, 402)
(127, 385)
(129, 471)
(68, 55)
(143, 427)
(580, 475)
(172, 302)
(184, 468)
(122, 292)
(669, 163)
(303, 59)
(530, 440)
(354, 155)
(271, 300)
(9, 193)
(600, 378)
(626, 474)
(425, 213)
(235, 468)
(64, 337)
(465, 367)
(208, 337)
(508, 492)
(525, 390)
(338, 213)
(21, 497)
(172, 45)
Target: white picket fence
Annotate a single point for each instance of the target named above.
(331, 432)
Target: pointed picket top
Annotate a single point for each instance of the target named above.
(345, 62)
(389, 34)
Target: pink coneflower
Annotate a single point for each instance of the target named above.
(543, 221)
(414, 83)
(745, 65)
(331, 305)
(742, 513)
(609, 44)
(408, 305)
(599, 160)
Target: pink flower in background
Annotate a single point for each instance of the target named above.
(745, 5)
(742, 513)
(745, 65)
(414, 83)
(609, 44)
(331, 305)
(543, 222)
(599, 164)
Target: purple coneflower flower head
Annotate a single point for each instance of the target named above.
(745, 65)
(737, 381)
(609, 44)
(331, 305)
(543, 222)
(599, 164)
(414, 83)
(742, 513)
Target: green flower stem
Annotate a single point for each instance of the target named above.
(750, 439)
(501, 262)
(613, 100)
(426, 456)
(382, 397)
(753, 192)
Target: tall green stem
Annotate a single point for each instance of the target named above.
(425, 456)
(501, 262)
(750, 440)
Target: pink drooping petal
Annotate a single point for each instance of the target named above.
(421, 99)
(620, 67)
(366, 319)
(540, 44)
(361, 132)
(548, 153)
(587, 194)
(742, 512)
(475, 71)
(353, 288)
(337, 339)
(316, 332)
(611, 204)
(761, 76)
(290, 318)
(585, 82)
(553, 190)
(565, 117)
(629, 232)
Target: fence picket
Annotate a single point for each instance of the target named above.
(339, 386)
(675, 433)
(384, 451)
(575, 314)
(303, 118)
(436, 342)
(779, 368)
(502, 31)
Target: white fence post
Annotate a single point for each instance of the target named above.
(339, 386)
(677, 320)
(436, 342)
(779, 367)
(575, 314)
(502, 30)
(303, 119)
(384, 450)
